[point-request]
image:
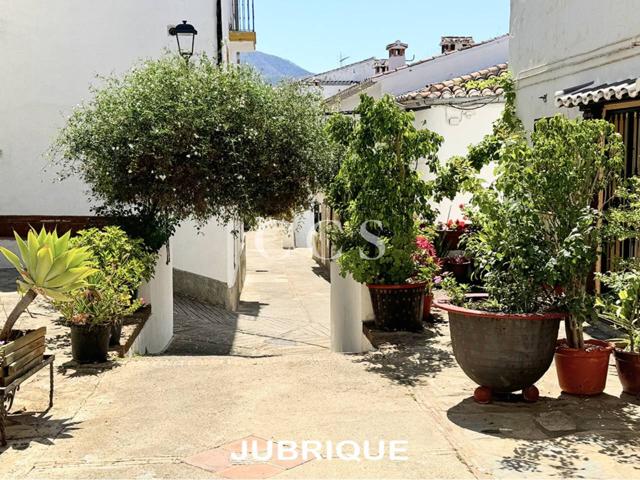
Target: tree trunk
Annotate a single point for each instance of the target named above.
(15, 314)
(575, 339)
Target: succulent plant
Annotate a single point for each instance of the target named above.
(48, 267)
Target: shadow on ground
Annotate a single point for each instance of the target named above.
(409, 358)
(203, 329)
(555, 433)
(24, 428)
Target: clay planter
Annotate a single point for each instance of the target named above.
(90, 344)
(426, 307)
(628, 366)
(583, 372)
(398, 307)
(501, 352)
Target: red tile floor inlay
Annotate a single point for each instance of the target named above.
(220, 461)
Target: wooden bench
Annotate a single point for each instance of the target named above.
(8, 392)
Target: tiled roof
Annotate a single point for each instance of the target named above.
(316, 81)
(572, 97)
(456, 87)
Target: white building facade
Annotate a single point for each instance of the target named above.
(51, 52)
(573, 44)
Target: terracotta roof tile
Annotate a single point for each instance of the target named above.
(456, 87)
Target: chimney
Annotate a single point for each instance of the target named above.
(397, 57)
(451, 44)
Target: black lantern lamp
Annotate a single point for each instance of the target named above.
(185, 34)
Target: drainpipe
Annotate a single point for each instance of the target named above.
(219, 31)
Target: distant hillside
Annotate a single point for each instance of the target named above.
(273, 68)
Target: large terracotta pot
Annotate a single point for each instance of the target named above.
(501, 352)
(583, 372)
(398, 307)
(628, 366)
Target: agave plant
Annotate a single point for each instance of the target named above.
(48, 267)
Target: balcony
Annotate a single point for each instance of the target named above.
(241, 27)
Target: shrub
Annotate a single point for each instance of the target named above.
(122, 265)
(169, 142)
(377, 192)
(539, 231)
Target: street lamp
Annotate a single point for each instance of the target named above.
(185, 35)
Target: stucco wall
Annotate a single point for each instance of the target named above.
(51, 53)
(459, 129)
(556, 45)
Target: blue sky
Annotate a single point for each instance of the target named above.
(313, 33)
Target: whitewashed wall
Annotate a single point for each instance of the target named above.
(459, 129)
(557, 45)
(50, 52)
(213, 251)
(158, 331)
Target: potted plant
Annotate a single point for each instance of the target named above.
(427, 265)
(49, 266)
(92, 312)
(535, 245)
(126, 261)
(622, 308)
(378, 195)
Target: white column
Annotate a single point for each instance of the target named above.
(158, 331)
(350, 305)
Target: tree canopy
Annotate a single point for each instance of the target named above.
(168, 142)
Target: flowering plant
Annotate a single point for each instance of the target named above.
(426, 261)
(459, 225)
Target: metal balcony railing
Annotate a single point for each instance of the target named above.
(242, 17)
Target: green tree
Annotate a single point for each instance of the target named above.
(378, 188)
(169, 142)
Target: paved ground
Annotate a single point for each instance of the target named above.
(166, 416)
(283, 310)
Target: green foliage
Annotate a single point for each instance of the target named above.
(623, 218)
(125, 259)
(122, 265)
(170, 142)
(377, 190)
(456, 292)
(459, 173)
(538, 232)
(50, 265)
(498, 81)
(621, 306)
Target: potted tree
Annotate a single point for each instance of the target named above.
(534, 248)
(378, 194)
(51, 267)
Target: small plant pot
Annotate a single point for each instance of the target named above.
(116, 333)
(628, 366)
(583, 372)
(90, 344)
(398, 307)
(426, 308)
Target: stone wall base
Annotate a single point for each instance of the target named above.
(209, 290)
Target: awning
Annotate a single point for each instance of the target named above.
(584, 95)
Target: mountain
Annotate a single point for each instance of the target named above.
(272, 67)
